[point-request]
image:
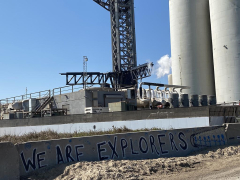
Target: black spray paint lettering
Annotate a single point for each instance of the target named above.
(133, 152)
(59, 155)
(100, 150)
(39, 159)
(162, 143)
(113, 147)
(124, 146)
(185, 146)
(153, 145)
(172, 142)
(78, 154)
(68, 151)
(141, 142)
(32, 163)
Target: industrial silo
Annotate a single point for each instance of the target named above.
(192, 59)
(225, 23)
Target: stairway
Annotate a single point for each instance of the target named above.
(39, 108)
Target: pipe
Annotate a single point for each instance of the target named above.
(140, 92)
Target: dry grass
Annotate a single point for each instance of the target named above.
(46, 135)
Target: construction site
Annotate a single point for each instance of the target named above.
(195, 110)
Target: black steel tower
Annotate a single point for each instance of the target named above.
(124, 62)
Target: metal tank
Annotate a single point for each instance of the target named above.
(191, 47)
(212, 100)
(203, 100)
(174, 100)
(225, 23)
(170, 79)
(194, 100)
(184, 101)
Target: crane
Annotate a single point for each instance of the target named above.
(125, 71)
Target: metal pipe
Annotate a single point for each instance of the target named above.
(140, 92)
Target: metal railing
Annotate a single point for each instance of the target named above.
(65, 89)
(41, 94)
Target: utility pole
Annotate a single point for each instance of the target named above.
(85, 60)
(26, 92)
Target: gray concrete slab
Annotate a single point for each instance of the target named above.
(9, 162)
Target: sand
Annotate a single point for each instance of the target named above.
(215, 163)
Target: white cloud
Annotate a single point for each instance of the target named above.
(163, 66)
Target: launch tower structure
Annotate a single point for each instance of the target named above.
(123, 33)
(125, 71)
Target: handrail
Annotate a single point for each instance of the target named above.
(40, 94)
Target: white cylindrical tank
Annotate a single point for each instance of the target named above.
(192, 59)
(225, 23)
(170, 79)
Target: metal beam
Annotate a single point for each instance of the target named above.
(104, 3)
(164, 85)
(91, 78)
(142, 71)
(117, 80)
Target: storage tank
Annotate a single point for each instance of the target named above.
(203, 100)
(174, 100)
(194, 100)
(211, 100)
(225, 23)
(170, 79)
(192, 59)
(184, 101)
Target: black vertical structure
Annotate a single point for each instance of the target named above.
(125, 71)
(123, 38)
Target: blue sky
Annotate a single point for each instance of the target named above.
(41, 38)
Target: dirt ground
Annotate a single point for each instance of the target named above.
(217, 163)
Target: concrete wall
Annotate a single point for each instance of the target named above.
(177, 123)
(111, 116)
(9, 161)
(75, 102)
(103, 100)
(142, 145)
(31, 156)
(233, 133)
(224, 111)
(216, 120)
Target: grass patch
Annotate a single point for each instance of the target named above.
(46, 135)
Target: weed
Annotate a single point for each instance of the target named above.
(49, 134)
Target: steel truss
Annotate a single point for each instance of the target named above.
(112, 78)
(123, 33)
